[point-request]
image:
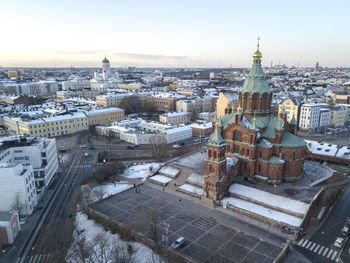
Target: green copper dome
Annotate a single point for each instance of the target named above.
(215, 138)
(105, 60)
(255, 81)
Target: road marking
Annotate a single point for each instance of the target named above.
(337, 259)
(320, 251)
(304, 244)
(325, 251)
(317, 248)
(334, 255)
(301, 241)
(307, 247)
(312, 247)
(330, 252)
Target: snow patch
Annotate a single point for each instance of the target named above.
(141, 171)
(169, 171)
(161, 178)
(89, 229)
(263, 211)
(192, 189)
(269, 199)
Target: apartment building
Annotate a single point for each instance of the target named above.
(90, 94)
(111, 99)
(324, 120)
(291, 107)
(17, 188)
(75, 84)
(105, 116)
(39, 153)
(309, 117)
(339, 115)
(175, 118)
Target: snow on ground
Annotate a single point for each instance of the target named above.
(141, 171)
(169, 171)
(194, 161)
(192, 189)
(269, 199)
(107, 190)
(88, 229)
(196, 179)
(263, 211)
(161, 178)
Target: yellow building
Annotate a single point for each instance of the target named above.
(291, 107)
(105, 116)
(111, 100)
(226, 98)
(14, 74)
(64, 94)
(54, 126)
(135, 86)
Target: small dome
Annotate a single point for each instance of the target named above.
(105, 60)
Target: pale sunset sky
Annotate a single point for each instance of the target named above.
(192, 33)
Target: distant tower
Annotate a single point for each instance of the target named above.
(105, 65)
(317, 66)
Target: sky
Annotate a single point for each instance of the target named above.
(192, 33)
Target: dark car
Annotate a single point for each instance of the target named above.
(92, 147)
(130, 147)
(287, 230)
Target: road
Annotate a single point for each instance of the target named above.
(59, 209)
(327, 234)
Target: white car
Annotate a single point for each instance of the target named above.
(178, 243)
(86, 155)
(345, 231)
(339, 242)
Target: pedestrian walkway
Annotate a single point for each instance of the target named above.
(39, 258)
(319, 249)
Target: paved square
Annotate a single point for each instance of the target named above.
(211, 235)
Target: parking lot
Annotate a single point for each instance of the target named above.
(210, 234)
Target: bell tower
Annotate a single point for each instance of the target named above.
(215, 178)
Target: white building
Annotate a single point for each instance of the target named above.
(178, 134)
(325, 119)
(17, 188)
(207, 116)
(38, 153)
(106, 78)
(75, 84)
(309, 117)
(175, 118)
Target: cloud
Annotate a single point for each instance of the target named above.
(149, 56)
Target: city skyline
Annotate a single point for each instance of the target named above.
(182, 34)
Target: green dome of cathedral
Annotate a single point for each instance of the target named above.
(255, 81)
(105, 60)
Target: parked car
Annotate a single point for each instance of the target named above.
(339, 242)
(345, 231)
(92, 147)
(83, 146)
(178, 243)
(62, 149)
(287, 230)
(130, 147)
(86, 155)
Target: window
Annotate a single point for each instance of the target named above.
(237, 135)
(236, 149)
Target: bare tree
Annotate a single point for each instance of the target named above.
(17, 204)
(99, 193)
(159, 147)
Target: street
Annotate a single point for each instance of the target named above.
(320, 247)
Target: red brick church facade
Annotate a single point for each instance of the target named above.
(250, 142)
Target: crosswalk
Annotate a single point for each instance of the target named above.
(39, 258)
(319, 249)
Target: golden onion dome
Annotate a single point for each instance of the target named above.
(257, 53)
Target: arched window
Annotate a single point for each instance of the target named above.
(214, 155)
(237, 135)
(255, 102)
(245, 101)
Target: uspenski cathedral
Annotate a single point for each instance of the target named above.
(249, 141)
